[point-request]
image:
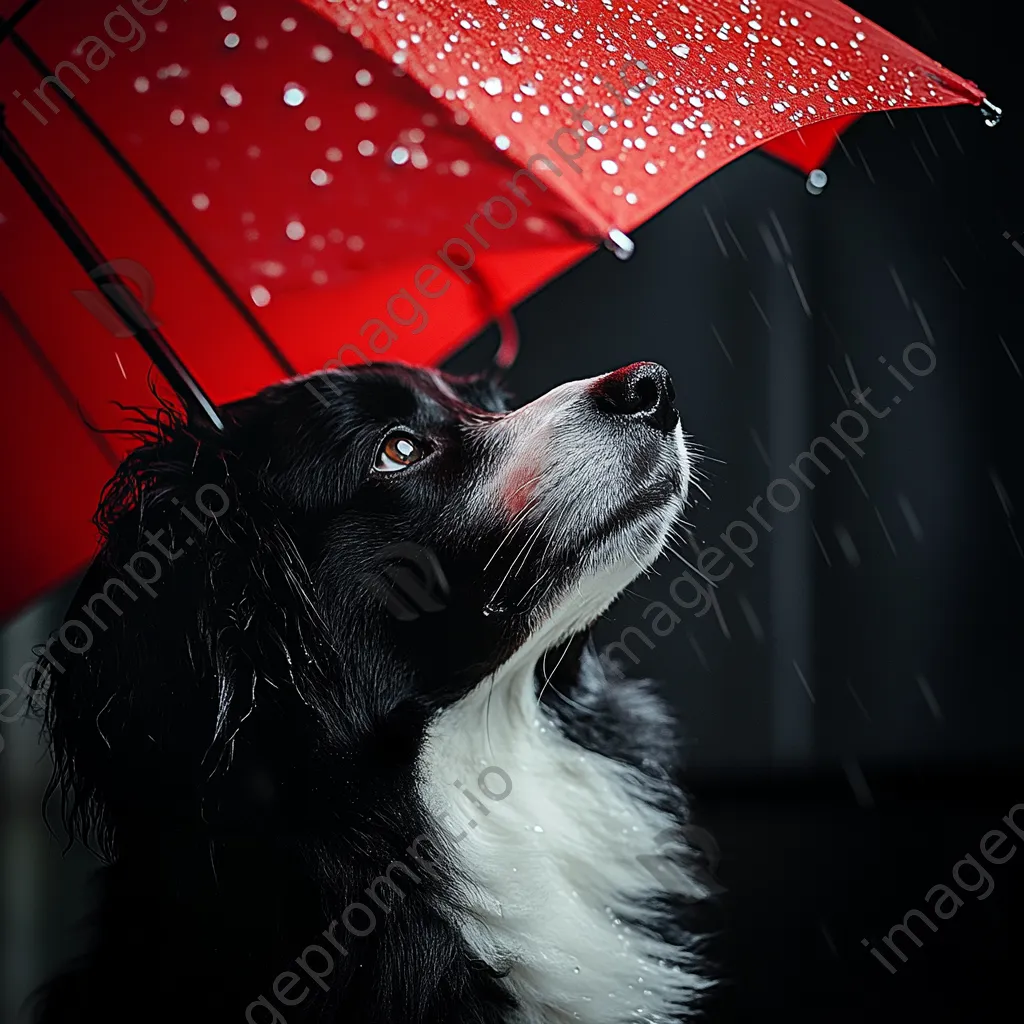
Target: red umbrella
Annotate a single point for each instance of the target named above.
(285, 184)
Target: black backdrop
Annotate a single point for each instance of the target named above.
(890, 594)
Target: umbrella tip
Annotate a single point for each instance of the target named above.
(991, 112)
(620, 243)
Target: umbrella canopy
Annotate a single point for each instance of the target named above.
(287, 185)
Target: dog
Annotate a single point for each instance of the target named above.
(327, 791)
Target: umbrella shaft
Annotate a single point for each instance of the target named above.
(119, 296)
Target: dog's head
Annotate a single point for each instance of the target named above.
(356, 549)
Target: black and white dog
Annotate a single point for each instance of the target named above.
(317, 809)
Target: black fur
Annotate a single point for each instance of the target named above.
(240, 747)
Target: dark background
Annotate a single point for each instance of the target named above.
(892, 589)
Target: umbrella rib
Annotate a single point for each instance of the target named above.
(7, 24)
(120, 298)
(56, 380)
(165, 214)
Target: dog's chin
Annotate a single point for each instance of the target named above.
(613, 555)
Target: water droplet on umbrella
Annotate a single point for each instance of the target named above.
(492, 86)
(631, 198)
(333, 154)
(322, 54)
(609, 167)
(228, 13)
(312, 123)
(366, 111)
(200, 123)
(992, 113)
(201, 201)
(651, 167)
(363, 77)
(260, 295)
(295, 230)
(460, 168)
(511, 58)
(816, 182)
(253, 152)
(319, 176)
(288, 25)
(231, 40)
(262, 42)
(399, 155)
(594, 143)
(294, 94)
(231, 96)
(141, 84)
(503, 142)
(366, 148)
(682, 50)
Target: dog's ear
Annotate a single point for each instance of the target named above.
(197, 614)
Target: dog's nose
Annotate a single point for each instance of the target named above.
(642, 391)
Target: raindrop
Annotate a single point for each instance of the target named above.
(260, 295)
(609, 167)
(492, 86)
(319, 176)
(682, 50)
(594, 143)
(201, 125)
(511, 58)
(631, 198)
(701, 154)
(399, 155)
(253, 152)
(319, 277)
(503, 142)
(295, 230)
(322, 54)
(262, 42)
(517, 116)
(460, 168)
(141, 84)
(363, 77)
(312, 123)
(366, 111)
(651, 167)
(355, 243)
(366, 148)
(228, 13)
(231, 96)
(333, 154)
(294, 94)
(816, 182)
(231, 40)
(537, 828)
(201, 201)
(288, 25)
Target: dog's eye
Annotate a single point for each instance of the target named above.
(398, 452)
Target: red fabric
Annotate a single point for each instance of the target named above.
(207, 126)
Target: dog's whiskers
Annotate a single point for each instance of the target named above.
(517, 521)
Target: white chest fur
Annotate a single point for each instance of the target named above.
(550, 874)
